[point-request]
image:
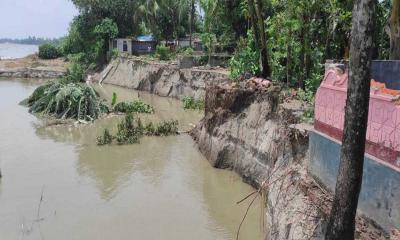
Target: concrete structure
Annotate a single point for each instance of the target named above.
(123, 45)
(380, 195)
(383, 135)
(141, 45)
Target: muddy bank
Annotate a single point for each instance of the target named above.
(32, 67)
(256, 134)
(163, 79)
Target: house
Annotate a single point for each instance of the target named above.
(139, 45)
(196, 43)
(144, 45)
(123, 45)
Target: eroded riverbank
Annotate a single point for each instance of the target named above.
(162, 188)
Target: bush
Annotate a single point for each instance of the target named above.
(163, 53)
(246, 58)
(193, 104)
(130, 130)
(106, 138)
(166, 128)
(48, 51)
(127, 132)
(76, 73)
(135, 106)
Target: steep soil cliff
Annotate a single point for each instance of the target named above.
(163, 79)
(256, 134)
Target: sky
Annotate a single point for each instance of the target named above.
(40, 18)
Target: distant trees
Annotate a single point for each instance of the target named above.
(32, 40)
(342, 218)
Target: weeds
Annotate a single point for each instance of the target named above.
(133, 107)
(105, 139)
(131, 129)
(192, 104)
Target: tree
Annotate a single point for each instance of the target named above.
(342, 218)
(257, 20)
(191, 20)
(394, 31)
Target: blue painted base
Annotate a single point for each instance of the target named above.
(380, 194)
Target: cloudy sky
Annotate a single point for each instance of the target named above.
(41, 18)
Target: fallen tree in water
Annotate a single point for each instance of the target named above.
(131, 129)
(63, 99)
(67, 100)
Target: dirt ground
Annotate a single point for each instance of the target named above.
(33, 62)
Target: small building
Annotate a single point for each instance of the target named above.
(123, 45)
(144, 45)
(196, 43)
(139, 45)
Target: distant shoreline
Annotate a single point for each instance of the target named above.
(30, 44)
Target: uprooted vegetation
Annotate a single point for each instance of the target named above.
(67, 100)
(131, 129)
(63, 99)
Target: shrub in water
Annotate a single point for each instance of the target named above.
(106, 138)
(193, 104)
(166, 128)
(48, 51)
(130, 130)
(127, 132)
(135, 107)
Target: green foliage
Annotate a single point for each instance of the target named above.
(75, 73)
(166, 128)
(115, 53)
(188, 51)
(246, 58)
(209, 41)
(133, 107)
(128, 131)
(114, 99)
(107, 29)
(105, 139)
(163, 53)
(48, 51)
(192, 103)
(63, 100)
(131, 129)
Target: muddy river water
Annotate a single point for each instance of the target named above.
(162, 188)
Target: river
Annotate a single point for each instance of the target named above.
(162, 188)
(12, 50)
